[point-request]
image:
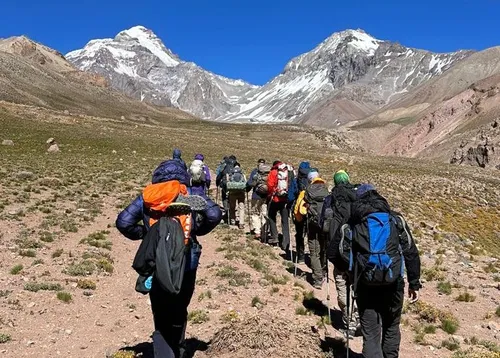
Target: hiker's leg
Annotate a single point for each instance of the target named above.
(241, 208)
(285, 226)
(273, 212)
(232, 208)
(255, 209)
(299, 238)
(263, 214)
(314, 250)
(341, 287)
(370, 325)
(225, 202)
(391, 318)
(170, 315)
(322, 249)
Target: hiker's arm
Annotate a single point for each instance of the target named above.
(412, 259)
(219, 178)
(128, 220)
(207, 220)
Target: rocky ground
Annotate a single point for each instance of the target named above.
(67, 286)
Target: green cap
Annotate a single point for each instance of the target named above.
(341, 177)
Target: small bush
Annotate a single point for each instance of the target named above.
(309, 295)
(277, 279)
(450, 344)
(37, 262)
(466, 297)
(444, 288)
(419, 338)
(43, 286)
(4, 338)
(257, 303)
(98, 239)
(46, 236)
(198, 316)
(64, 296)
(235, 277)
(429, 329)
(275, 289)
(449, 325)
(83, 268)
(230, 316)
(57, 253)
(27, 253)
(86, 284)
(497, 312)
(16, 269)
(301, 311)
(203, 295)
(105, 265)
(490, 268)
(124, 354)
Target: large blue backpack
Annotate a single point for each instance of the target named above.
(373, 250)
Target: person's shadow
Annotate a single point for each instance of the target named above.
(337, 348)
(145, 349)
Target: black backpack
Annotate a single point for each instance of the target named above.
(372, 248)
(228, 169)
(339, 204)
(163, 253)
(315, 195)
(302, 181)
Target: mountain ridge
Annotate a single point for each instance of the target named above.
(137, 62)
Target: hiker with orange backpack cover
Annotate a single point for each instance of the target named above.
(169, 184)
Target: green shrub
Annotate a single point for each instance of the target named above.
(466, 297)
(46, 236)
(301, 311)
(83, 268)
(27, 253)
(449, 325)
(256, 302)
(444, 287)
(57, 253)
(98, 239)
(198, 316)
(16, 269)
(497, 312)
(42, 286)
(86, 284)
(64, 296)
(450, 344)
(4, 338)
(429, 329)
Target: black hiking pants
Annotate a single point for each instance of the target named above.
(380, 315)
(299, 237)
(170, 317)
(282, 209)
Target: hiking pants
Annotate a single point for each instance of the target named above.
(350, 319)
(299, 236)
(236, 207)
(225, 202)
(259, 213)
(282, 209)
(170, 317)
(380, 314)
(316, 240)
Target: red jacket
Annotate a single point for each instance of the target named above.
(272, 184)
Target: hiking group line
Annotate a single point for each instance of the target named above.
(350, 226)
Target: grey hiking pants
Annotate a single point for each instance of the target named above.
(282, 209)
(380, 315)
(350, 319)
(316, 240)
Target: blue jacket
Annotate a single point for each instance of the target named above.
(172, 169)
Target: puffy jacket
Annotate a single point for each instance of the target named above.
(172, 169)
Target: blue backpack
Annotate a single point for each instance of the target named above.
(372, 248)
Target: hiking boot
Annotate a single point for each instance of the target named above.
(300, 258)
(273, 241)
(257, 237)
(318, 284)
(241, 227)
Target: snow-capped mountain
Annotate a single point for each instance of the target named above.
(350, 66)
(137, 62)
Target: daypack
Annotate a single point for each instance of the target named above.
(236, 180)
(197, 172)
(282, 186)
(302, 181)
(259, 182)
(372, 249)
(292, 185)
(228, 169)
(315, 195)
(338, 203)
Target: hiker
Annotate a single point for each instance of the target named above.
(134, 222)
(200, 176)
(277, 185)
(336, 212)
(300, 225)
(176, 155)
(224, 169)
(236, 189)
(257, 183)
(309, 206)
(381, 247)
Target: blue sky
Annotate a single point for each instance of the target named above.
(253, 40)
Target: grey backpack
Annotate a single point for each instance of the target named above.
(315, 196)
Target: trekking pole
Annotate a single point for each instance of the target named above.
(328, 289)
(348, 298)
(217, 195)
(248, 214)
